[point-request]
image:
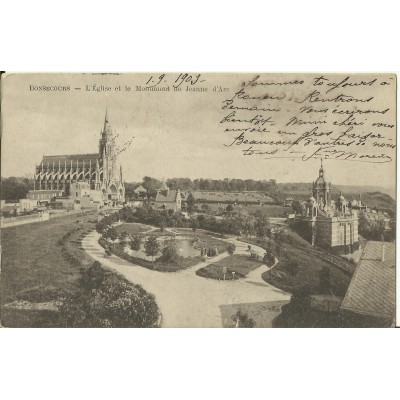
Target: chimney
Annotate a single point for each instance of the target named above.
(383, 252)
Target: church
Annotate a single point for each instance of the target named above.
(167, 199)
(332, 224)
(98, 173)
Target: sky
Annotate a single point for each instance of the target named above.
(174, 134)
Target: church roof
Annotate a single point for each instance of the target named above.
(372, 288)
(70, 157)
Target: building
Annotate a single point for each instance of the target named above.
(43, 197)
(28, 204)
(64, 203)
(167, 199)
(357, 204)
(140, 190)
(371, 297)
(331, 223)
(377, 218)
(56, 173)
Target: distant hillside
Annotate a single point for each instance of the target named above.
(373, 196)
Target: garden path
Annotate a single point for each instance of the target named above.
(185, 299)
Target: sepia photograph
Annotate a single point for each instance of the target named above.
(198, 200)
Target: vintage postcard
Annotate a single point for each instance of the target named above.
(182, 199)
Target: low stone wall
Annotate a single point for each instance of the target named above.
(24, 219)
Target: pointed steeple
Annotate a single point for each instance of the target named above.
(106, 119)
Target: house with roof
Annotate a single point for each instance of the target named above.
(371, 297)
(167, 199)
(140, 189)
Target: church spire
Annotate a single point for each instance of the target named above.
(106, 120)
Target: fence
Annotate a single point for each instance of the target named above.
(24, 219)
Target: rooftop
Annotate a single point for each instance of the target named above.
(44, 191)
(166, 197)
(372, 288)
(70, 157)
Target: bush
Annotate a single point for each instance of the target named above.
(242, 320)
(107, 300)
(136, 243)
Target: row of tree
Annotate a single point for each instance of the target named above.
(186, 184)
(226, 185)
(376, 230)
(15, 188)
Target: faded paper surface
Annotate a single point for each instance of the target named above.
(248, 126)
(210, 125)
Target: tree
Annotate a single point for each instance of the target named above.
(269, 259)
(151, 185)
(261, 224)
(229, 208)
(195, 224)
(112, 233)
(136, 243)
(123, 236)
(162, 224)
(231, 249)
(151, 247)
(15, 188)
(190, 203)
(170, 252)
(298, 207)
(205, 208)
(242, 320)
(129, 190)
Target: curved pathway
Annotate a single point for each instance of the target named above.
(185, 299)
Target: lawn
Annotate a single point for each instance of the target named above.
(39, 264)
(309, 267)
(133, 228)
(239, 264)
(220, 196)
(270, 210)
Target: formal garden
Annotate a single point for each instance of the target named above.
(156, 248)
